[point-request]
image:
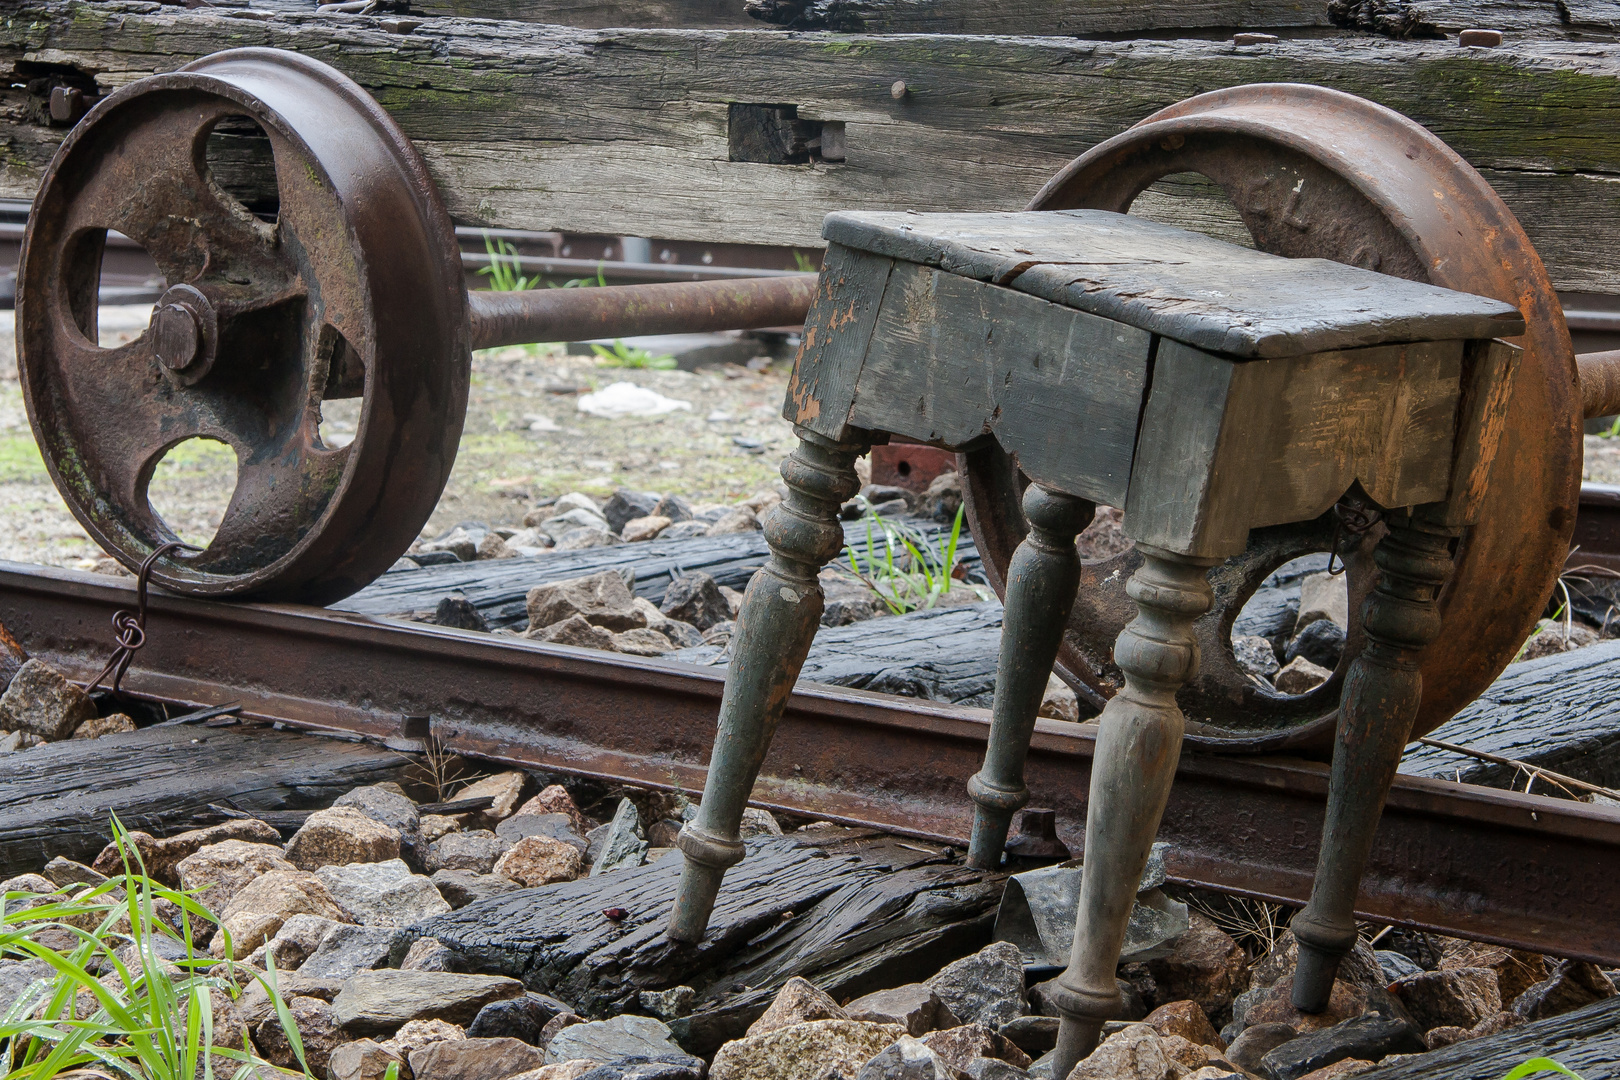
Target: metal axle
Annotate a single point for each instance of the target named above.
(1599, 375)
(681, 307)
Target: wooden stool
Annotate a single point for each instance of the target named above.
(1204, 388)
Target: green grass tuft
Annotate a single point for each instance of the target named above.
(143, 1017)
(629, 356)
(906, 571)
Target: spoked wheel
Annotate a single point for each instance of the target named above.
(1318, 173)
(353, 288)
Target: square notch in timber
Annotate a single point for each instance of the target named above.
(775, 135)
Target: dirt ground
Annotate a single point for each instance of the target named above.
(525, 438)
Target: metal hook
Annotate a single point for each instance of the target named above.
(1355, 520)
(129, 627)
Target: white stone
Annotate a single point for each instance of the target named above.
(623, 399)
(1300, 676)
(383, 893)
(1324, 596)
(609, 1040)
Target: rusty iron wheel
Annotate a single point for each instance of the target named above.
(354, 289)
(1318, 173)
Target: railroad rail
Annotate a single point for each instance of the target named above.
(1521, 870)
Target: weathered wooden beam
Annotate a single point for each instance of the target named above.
(849, 909)
(1066, 17)
(1586, 1042)
(1516, 18)
(1401, 19)
(1568, 19)
(498, 588)
(685, 14)
(947, 654)
(56, 799)
(1558, 712)
(628, 131)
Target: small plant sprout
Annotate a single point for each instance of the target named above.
(904, 568)
(1582, 578)
(504, 267)
(114, 1005)
(629, 356)
(441, 768)
(580, 282)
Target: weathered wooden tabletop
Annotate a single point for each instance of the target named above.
(1184, 285)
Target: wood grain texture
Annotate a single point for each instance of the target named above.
(1072, 17)
(1557, 712)
(1536, 18)
(686, 14)
(953, 360)
(845, 915)
(498, 587)
(1489, 368)
(947, 654)
(837, 332)
(1586, 1041)
(625, 131)
(55, 800)
(1186, 286)
(1226, 447)
(1571, 19)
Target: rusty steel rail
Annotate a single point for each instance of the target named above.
(1520, 870)
(1595, 547)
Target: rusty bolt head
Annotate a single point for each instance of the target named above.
(176, 336)
(1481, 39)
(183, 332)
(67, 104)
(899, 90)
(1038, 823)
(1037, 836)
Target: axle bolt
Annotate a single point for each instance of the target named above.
(183, 333)
(176, 336)
(67, 104)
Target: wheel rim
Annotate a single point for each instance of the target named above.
(359, 274)
(1319, 173)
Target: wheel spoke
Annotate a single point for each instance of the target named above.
(280, 494)
(258, 411)
(163, 200)
(116, 415)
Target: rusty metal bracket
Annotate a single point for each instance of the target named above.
(1521, 870)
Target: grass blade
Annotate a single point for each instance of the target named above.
(1538, 1065)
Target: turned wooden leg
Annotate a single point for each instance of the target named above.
(1138, 746)
(781, 609)
(1376, 710)
(1041, 582)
